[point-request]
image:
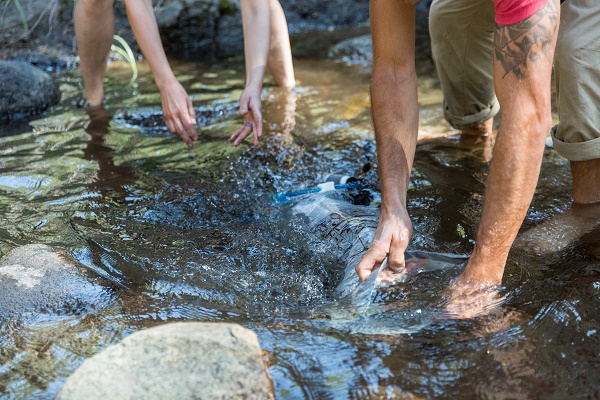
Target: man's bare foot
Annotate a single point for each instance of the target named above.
(561, 231)
(586, 181)
(582, 217)
(481, 146)
(483, 128)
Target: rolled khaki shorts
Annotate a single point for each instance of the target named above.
(462, 42)
(462, 39)
(577, 74)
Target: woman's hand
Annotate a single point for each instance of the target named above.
(178, 111)
(250, 109)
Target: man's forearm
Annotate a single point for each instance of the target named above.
(394, 102)
(522, 73)
(395, 116)
(511, 183)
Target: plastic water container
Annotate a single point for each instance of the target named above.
(344, 229)
(347, 230)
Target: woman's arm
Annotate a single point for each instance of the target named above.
(266, 43)
(178, 111)
(256, 21)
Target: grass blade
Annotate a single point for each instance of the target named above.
(129, 54)
(21, 14)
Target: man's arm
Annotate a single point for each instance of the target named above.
(178, 111)
(522, 73)
(396, 117)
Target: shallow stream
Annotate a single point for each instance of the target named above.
(195, 235)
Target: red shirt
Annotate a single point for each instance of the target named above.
(510, 12)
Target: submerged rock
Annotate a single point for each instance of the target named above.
(24, 90)
(37, 279)
(355, 51)
(184, 360)
(359, 50)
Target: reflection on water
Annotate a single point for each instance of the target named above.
(194, 235)
(109, 176)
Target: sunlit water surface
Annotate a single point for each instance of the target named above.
(194, 235)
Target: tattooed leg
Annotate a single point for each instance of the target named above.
(518, 46)
(522, 74)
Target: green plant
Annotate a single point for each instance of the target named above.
(17, 4)
(125, 52)
(226, 7)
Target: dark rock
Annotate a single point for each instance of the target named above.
(359, 50)
(197, 29)
(184, 360)
(304, 15)
(38, 279)
(24, 90)
(14, 23)
(150, 121)
(168, 16)
(49, 63)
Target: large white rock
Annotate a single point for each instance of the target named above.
(183, 360)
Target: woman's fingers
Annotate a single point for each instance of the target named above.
(241, 134)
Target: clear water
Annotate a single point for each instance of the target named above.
(194, 235)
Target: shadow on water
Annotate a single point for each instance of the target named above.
(195, 235)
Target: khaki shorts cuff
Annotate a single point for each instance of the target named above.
(581, 151)
(469, 121)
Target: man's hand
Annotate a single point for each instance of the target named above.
(464, 300)
(396, 119)
(178, 111)
(391, 238)
(250, 109)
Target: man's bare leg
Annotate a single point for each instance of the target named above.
(582, 217)
(586, 181)
(94, 29)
